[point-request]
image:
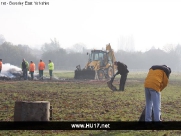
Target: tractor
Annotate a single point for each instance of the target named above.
(100, 65)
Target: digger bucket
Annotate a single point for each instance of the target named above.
(84, 74)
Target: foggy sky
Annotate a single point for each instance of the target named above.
(93, 23)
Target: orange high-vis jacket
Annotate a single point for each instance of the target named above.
(1, 64)
(41, 66)
(32, 67)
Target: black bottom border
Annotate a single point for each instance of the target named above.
(89, 125)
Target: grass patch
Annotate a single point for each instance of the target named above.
(90, 101)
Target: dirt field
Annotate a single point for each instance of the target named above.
(75, 100)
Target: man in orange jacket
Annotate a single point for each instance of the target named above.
(32, 69)
(155, 82)
(1, 65)
(41, 67)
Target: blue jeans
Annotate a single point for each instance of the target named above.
(153, 100)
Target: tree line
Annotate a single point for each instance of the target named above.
(68, 59)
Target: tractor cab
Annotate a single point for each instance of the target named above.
(99, 55)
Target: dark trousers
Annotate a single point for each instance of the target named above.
(122, 82)
(32, 75)
(25, 73)
(41, 74)
(50, 73)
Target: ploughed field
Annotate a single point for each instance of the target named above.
(89, 100)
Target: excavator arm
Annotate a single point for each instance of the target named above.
(111, 55)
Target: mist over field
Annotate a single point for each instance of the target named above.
(68, 59)
(140, 36)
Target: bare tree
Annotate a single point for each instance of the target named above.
(168, 47)
(126, 43)
(52, 46)
(79, 47)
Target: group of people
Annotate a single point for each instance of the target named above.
(156, 80)
(31, 68)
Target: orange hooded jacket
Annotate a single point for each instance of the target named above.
(41, 65)
(32, 67)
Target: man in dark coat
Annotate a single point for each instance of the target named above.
(123, 71)
(25, 66)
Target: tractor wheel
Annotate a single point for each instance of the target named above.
(101, 74)
(109, 72)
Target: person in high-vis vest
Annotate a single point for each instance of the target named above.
(1, 64)
(51, 68)
(41, 67)
(32, 69)
(25, 68)
(155, 82)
